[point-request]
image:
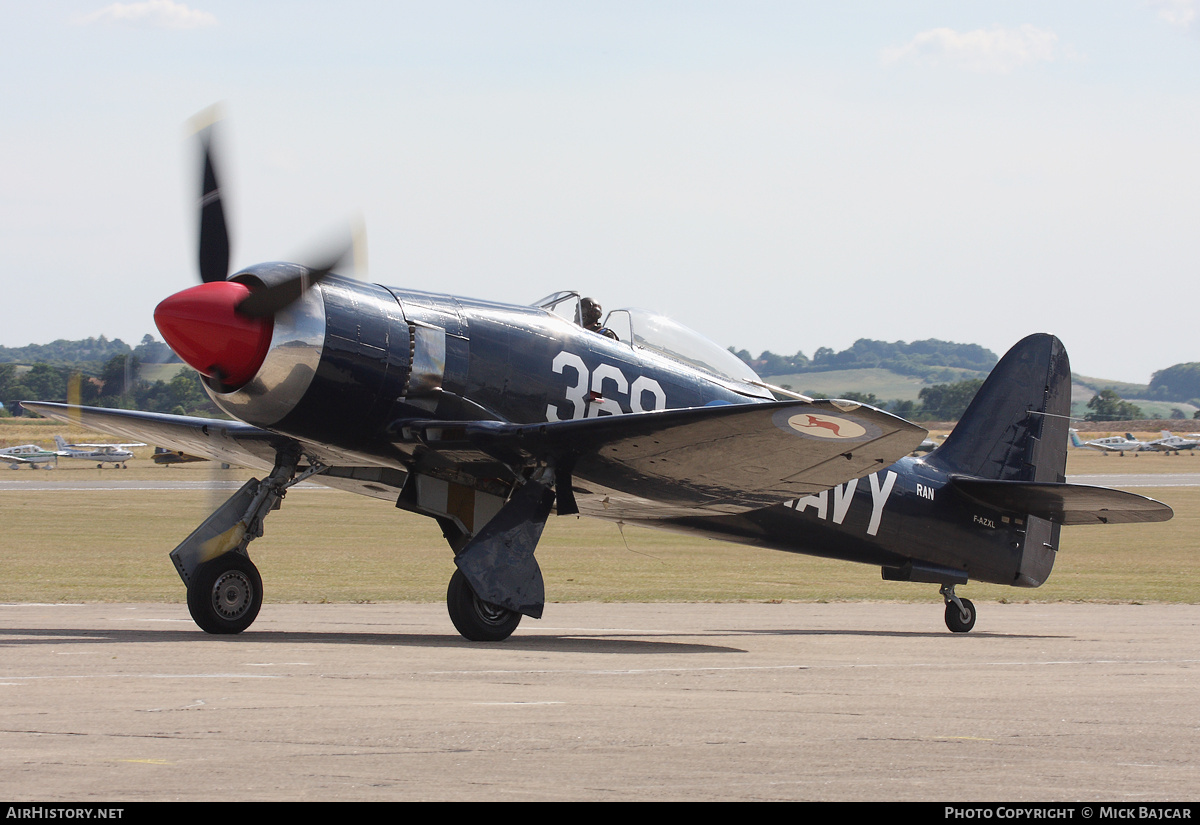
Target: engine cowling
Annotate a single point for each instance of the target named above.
(329, 366)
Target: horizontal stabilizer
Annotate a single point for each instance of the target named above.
(1062, 503)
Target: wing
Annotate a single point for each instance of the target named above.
(234, 442)
(725, 459)
(229, 441)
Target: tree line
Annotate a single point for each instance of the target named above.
(1180, 382)
(116, 381)
(939, 402)
(929, 359)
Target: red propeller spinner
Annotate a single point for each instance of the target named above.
(205, 329)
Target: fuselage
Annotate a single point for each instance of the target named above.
(1115, 444)
(890, 518)
(103, 455)
(349, 360)
(1173, 443)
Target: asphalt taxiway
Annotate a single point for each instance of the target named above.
(850, 701)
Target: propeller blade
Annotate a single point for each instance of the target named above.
(267, 301)
(214, 235)
(214, 252)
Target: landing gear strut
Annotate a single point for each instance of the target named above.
(224, 589)
(960, 613)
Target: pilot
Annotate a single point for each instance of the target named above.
(591, 313)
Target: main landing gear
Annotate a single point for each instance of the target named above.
(960, 613)
(497, 579)
(225, 594)
(475, 619)
(224, 588)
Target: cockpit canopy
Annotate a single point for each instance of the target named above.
(646, 330)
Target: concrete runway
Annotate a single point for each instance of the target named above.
(852, 701)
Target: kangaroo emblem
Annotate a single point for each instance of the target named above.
(813, 421)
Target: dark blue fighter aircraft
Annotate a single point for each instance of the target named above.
(490, 417)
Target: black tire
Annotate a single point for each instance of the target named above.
(225, 594)
(956, 621)
(475, 619)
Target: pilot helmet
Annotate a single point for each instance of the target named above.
(590, 312)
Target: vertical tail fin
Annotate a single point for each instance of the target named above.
(1016, 430)
(61, 442)
(1076, 441)
(1016, 427)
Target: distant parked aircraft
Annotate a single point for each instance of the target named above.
(1112, 444)
(1174, 443)
(114, 454)
(30, 455)
(164, 456)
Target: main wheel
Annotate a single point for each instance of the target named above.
(475, 619)
(225, 594)
(960, 621)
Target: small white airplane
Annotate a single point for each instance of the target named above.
(114, 454)
(29, 455)
(1112, 444)
(1174, 443)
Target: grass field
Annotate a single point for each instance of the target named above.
(328, 546)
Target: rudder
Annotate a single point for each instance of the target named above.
(1015, 428)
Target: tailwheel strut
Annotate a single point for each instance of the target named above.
(960, 613)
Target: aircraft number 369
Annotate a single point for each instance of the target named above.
(595, 392)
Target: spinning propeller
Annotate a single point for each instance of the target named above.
(223, 328)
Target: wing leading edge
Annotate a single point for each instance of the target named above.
(229, 441)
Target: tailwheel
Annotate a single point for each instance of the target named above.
(475, 619)
(225, 594)
(960, 613)
(960, 617)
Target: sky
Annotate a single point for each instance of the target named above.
(779, 176)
